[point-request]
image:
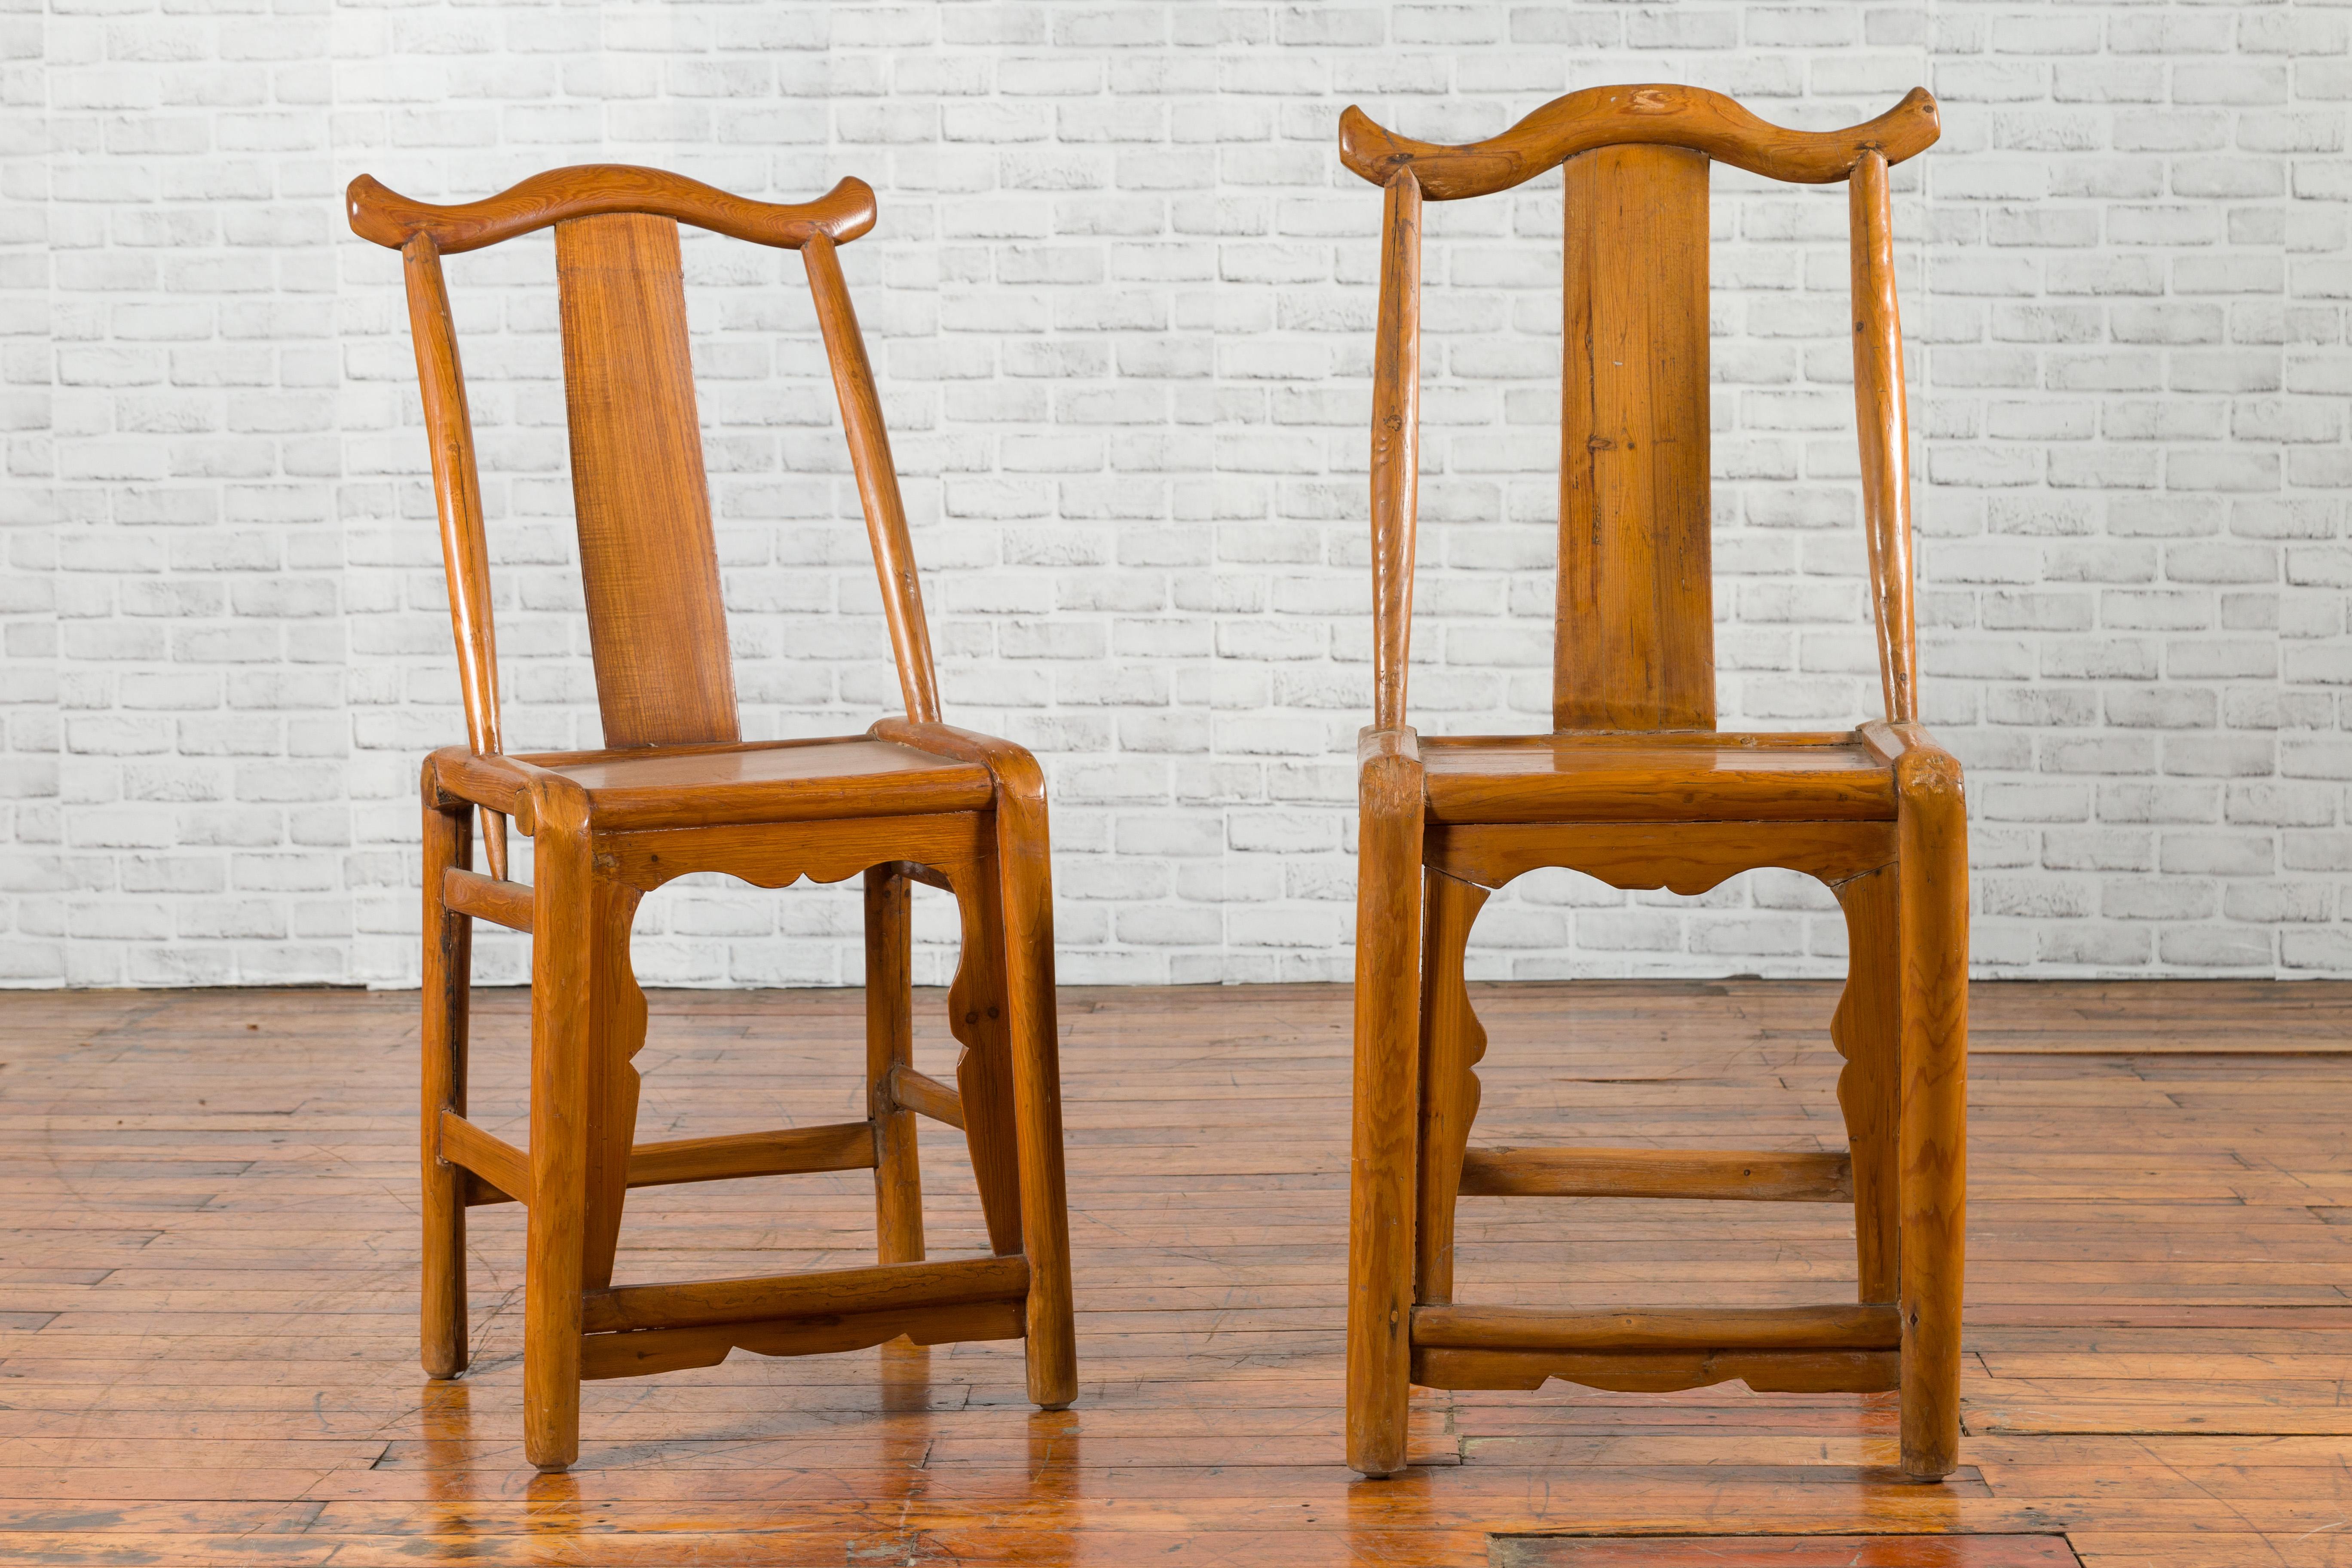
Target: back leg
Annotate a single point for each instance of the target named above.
(889, 1044)
(976, 1015)
(1867, 1031)
(448, 976)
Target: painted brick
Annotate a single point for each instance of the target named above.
(1121, 300)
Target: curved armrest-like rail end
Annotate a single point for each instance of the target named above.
(1656, 114)
(589, 190)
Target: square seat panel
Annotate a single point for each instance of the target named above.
(775, 781)
(1666, 776)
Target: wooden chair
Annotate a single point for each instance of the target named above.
(678, 790)
(1635, 786)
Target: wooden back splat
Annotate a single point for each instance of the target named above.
(649, 564)
(1635, 645)
(1634, 641)
(648, 559)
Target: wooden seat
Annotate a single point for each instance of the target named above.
(778, 780)
(676, 790)
(1635, 786)
(1654, 778)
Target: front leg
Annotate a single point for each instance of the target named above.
(563, 928)
(1933, 847)
(1381, 1161)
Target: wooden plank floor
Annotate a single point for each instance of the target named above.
(207, 1257)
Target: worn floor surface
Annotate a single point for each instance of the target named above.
(207, 1257)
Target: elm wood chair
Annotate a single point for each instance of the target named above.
(1635, 786)
(676, 790)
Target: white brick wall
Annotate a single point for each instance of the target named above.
(1120, 301)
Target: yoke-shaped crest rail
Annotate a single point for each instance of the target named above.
(590, 190)
(1654, 113)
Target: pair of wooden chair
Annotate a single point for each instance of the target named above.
(1633, 786)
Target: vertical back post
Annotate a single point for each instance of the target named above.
(1882, 422)
(878, 479)
(1635, 644)
(457, 500)
(1396, 447)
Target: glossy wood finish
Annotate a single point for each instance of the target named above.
(889, 1046)
(449, 966)
(1384, 1147)
(1679, 1550)
(675, 791)
(1932, 944)
(457, 495)
(1719, 1329)
(1655, 115)
(878, 480)
(924, 1096)
(648, 561)
(1631, 778)
(1882, 420)
(701, 787)
(882, 1288)
(595, 190)
(1635, 787)
(1635, 636)
(1396, 447)
(208, 1279)
(471, 894)
(1764, 1176)
(791, 1151)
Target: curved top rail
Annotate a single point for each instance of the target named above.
(1689, 117)
(587, 190)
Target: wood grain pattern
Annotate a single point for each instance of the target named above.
(563, 1121)
(1452, 1043)
(648, 1350)
(471, 894)
(593, 190)
(1932, 891)
(674, 791)
(1634, 787)
(890, 1051)
(457, 497)
(1659, 1372)
(209, 1263)
(1619, 778)
(648, 561)
(445, 995)
(1863, 1328)
(885, 1287)
(878, 481)
(1635, 632)
(925, 1095)
(790, 1150)
(1382, 1153)
(499, 1163)
(776, 855)
(2019, 1550)
(1868, 1030)
(1762, 1176)
(1021, 873)
(1651, 114)
(1687, 858)
(1396, 449)
(1883, 422)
